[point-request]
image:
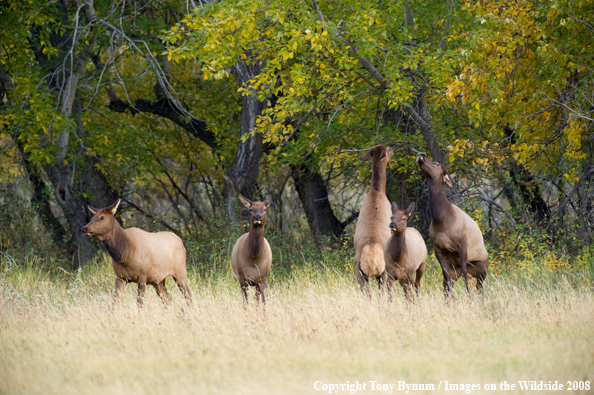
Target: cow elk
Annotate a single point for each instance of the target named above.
(372, 230)
(251, 258)
(140, 257)
(405, 253)
(456, 238)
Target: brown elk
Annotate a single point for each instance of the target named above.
(140, 257)
(456, 238)
(251, 257)
(372, 230)
(405, 253)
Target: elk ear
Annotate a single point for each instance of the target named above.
(383, 155)
(410, 209)
(93, 210)
(448, 181)
(365, 157)
(114, 207)
(394, 207)
(268, 201)
(245, 202)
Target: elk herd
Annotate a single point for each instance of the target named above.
(386, 248)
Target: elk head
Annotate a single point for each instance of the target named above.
(379, 153)
(102, 222)
(399, 219)
(257, 209)
(434, 170)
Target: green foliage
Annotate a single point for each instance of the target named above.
(479, 66)
(526, 66)
(324, 102)
(22, 233)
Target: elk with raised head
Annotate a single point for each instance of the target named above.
(372, 230)
(140, 257)
(251, 258)
(405, 253)
(457, 239)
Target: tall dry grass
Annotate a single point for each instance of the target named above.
(58, 334)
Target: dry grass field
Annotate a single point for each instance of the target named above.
(58, 335)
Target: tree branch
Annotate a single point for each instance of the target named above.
(165, 109)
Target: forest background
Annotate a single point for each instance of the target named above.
(178, 106)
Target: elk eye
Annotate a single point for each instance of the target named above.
(102, 218)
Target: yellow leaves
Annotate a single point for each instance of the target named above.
(454, 89)
(571, 177)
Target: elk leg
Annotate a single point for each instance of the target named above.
(362, 279)
(182, 284)
(162, 292)
(479, 271)
(420, 272)
(447, 280)
(464, 267)
(264, 289)
(381, 283)
(120, 285)
(244, 290)
(141, 289)
(390, 287)
(258, 293)
(407, 287)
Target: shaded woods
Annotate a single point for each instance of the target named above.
(178, 107)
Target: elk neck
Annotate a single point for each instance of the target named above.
(397, 246)
(255, 240)
(117, 243)
(378, 176)
(440, 207)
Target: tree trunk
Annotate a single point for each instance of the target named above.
(74, 212)
(243, 171)
(314, 200)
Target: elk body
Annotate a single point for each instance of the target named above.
(405, 253)
(251, 258)
(456, 238)
(140, 257)
(372, 230)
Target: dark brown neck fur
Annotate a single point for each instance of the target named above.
(117, 244)
(378, 176)
(255, 240)
(440, 207)
(397, 246)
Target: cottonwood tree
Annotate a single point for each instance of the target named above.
(335, 70)
(525, 92)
